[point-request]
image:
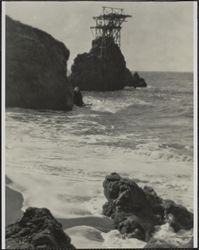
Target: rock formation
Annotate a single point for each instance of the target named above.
(137, 211)
(35, 69)
(101, 70)
(138, 81)
(37, 229)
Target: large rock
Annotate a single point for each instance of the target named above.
(37, 229)
(137, 211)
(99, 71)
(35, 69)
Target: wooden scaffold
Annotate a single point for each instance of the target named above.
(108, 24)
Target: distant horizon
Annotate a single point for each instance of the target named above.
(158, 38)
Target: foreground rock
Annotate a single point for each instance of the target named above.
(137, 211)
(35, 69)
(99, 71)
(37, 229)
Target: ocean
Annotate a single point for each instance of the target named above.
(59, 159)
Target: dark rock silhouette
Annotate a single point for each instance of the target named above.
(78, 99)
(37, 229)
(99, 71)
(35, 69)
(138, 81)
(137, 211)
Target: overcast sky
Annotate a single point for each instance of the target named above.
(159, 36)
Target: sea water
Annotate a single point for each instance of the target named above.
(59, 159)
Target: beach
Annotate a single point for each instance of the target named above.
(59, 159)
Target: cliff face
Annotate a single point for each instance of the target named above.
(35, 69)
(108, 72)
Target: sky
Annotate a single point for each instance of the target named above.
(159, 36)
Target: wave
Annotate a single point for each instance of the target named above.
(90, 237)
(165, 151)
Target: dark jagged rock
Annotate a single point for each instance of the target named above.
(138, 81)
(37, 229)
(35, 69)
(101, 72)
(137, 211)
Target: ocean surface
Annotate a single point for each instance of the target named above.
(59, 159)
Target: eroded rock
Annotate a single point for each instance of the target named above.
(137, 211)
(35, 69)
(37, 229)
(101, 70)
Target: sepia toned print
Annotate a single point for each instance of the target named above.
(99, 125)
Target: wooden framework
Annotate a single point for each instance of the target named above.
(108, 24)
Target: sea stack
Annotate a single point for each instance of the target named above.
(35, 69)
(103, 68)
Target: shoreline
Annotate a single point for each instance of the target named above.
(13, 204)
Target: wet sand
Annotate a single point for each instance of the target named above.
(14, 204)
(103, 223)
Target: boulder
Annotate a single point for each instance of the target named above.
(100, 70)
(35, 69)
(37, 229)
(136, 211)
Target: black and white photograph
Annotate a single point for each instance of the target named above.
(99, 124)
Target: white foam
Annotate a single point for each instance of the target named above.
(166, 233)
(85, 237)
(114, 239)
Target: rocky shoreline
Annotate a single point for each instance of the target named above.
(138, 212)
(135, 212)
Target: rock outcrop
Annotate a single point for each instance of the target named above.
(35, 69)
(137, 211)
(138, 81)
(37, 229)
(101, 70)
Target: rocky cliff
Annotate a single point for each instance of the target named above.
(101, 70)
(35, 69)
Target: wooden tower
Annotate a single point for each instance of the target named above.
(108, 24)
